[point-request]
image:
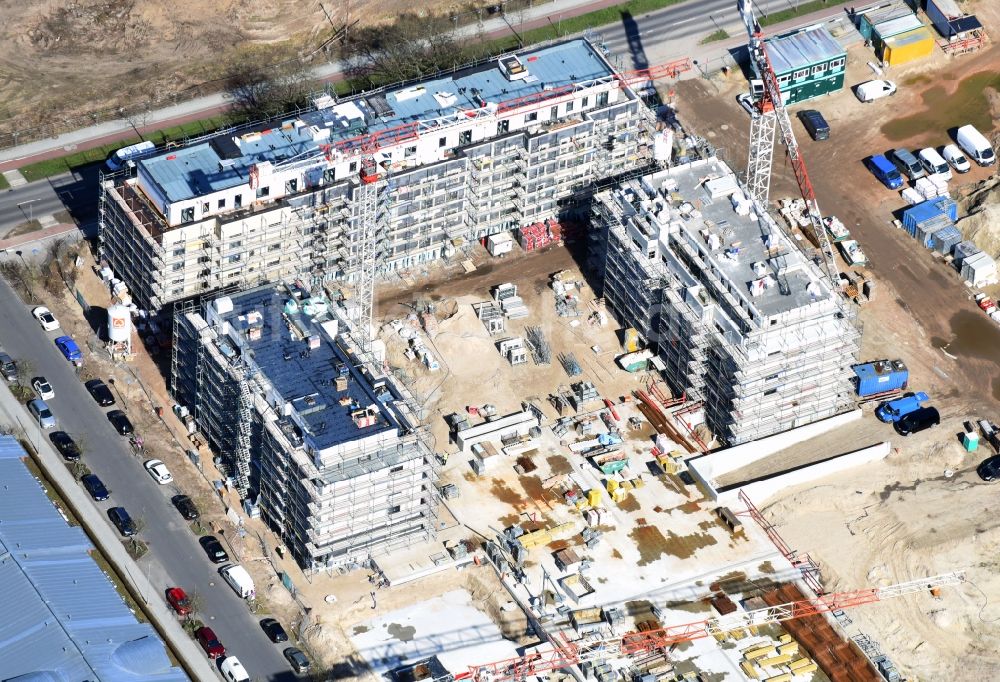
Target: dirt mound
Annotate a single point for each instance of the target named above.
(982, 222)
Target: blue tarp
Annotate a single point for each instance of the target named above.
(927, 210)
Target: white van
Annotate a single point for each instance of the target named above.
(870, 91)
(120, 158)
(233, 670)
(975, 145)
(933, 163)
(239, 580)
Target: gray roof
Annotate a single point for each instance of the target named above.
(220, 163)
(803, 48)
(60, 616)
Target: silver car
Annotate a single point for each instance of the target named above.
(42, 414)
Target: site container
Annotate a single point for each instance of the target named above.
(963, 250)
(929, 209)
(924, 231)
(881, 376)
(945, 239)
(907, 47)
(941, 12)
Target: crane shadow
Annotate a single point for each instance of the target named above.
(636, 51)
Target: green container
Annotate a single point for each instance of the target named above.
(970, 440)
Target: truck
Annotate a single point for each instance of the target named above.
(894, 410)
(239, 579)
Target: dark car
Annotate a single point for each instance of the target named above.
(213, 548)
(93, 485)
(273, 630)
(123, 522)
(65, 445)
(185, 505)
(121, 422)
(296, 659)
(917, 421)
(209, 642)
(100, 392)
(815, 124)
(989, 468)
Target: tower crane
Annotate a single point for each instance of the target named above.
(566, 653)
(771, 114)
(374, 186)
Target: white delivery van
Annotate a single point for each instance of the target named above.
(233, 670)
(120, 158)
(239, 580)
(870, 91)
(934, 163)
(975, 145)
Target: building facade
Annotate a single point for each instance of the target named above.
(741, 320)
(327, 447)
(808, 63)
(482, 150)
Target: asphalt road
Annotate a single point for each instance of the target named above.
(175, 558)
(34, 200)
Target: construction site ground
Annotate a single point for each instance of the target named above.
(923, 510)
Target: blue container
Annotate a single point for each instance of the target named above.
(927, 210)
(881, 376)
(945, 239)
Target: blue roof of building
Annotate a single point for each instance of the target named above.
(802, 48)
(219, 164)
(307, 377)
(60, 616)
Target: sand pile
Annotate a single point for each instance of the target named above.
(982, 210)
(901, 520)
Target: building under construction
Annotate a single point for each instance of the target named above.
(742, 320)
(397, 176)
(327, 446)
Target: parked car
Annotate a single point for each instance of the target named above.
(746, 101)
(989, 468)
(975, 145)
(100, 392)
(209, 642)
(66, 446)
(158, 470)
(272, 628)
(123, 522)
(815, 124)
(953, 155)
(886, 173)
(894, 410)
(907, 163)
(95, 486)
(8, 368)
(233, 670)
(213, 548)
(185, 505)
(178, 600)
(917, 421)
(296, 659)
(870, 91)
(121, 422)
(45, 318)
(933, 163)
(43, 388)
(70, 350)
(42, 414)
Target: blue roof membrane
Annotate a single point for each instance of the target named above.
(200, 169)
(60, 616)
(306, 377)
(801, 49)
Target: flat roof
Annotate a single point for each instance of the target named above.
(306, 377)
(60, 616)
(802, 48)
(893, 27)
(225, 160)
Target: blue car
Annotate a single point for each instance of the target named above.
(894, 410)
(885, 171)
(70, 350)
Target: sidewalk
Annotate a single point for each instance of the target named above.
(209, 105)
(182, 646)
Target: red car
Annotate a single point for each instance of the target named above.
(209, 642)
(179, 601)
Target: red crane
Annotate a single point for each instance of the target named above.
(565, 653)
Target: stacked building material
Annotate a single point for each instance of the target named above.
(925, 219)
(963, 250)
(534, 236)
(570, 364)
(945, 239)
(979, 269)
(535, 340)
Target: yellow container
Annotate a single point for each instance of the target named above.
(807, 666)
(631, 340)
(758, 652)
(594, 497)
(783, 677)
(790, 648)
(907, 47)
(775, 660)
(619, 495)
(749, 670)
(612, 485)
(626, 485)
(785, 638)
(637, 483)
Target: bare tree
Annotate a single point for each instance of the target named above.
(261, 90)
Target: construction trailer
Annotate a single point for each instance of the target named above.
(809, 63)
(326, 445)
(399, 176)
(514, 425)
(740, 319)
